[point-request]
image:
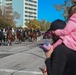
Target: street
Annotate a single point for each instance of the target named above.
(22, 59)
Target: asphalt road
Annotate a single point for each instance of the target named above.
(22, 59)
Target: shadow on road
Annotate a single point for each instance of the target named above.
(4, 55)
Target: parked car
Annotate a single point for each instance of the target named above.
(47, 35)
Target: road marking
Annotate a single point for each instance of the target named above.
(16, 71)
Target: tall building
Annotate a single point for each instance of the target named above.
(8, 10)
(25, 10)
(30, 10)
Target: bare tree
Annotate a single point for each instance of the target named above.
(64, 7)
(8, 15)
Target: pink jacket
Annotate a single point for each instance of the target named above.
(68, 34)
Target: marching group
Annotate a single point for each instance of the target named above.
(7, 36)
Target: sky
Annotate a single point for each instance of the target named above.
(47, 11)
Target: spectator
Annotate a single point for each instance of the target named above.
(63, 59)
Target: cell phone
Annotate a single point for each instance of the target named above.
(46, 45)
(42, 70)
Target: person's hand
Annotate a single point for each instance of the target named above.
(45, 71)
(48, 53)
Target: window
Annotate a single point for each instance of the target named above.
(8, 0)
(26, 15)
(26, 19)
(26, 0)
(9, 4)
(26, 4)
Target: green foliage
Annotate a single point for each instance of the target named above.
(5, 24)
(35, 24)
(44, 25)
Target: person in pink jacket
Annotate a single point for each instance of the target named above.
(68, 34)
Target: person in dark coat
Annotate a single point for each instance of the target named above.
(62, 61)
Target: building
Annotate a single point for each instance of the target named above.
(24, 10)
(8, 10)
(30, 10)
(27, 9)
(6, 6)
(8, 2)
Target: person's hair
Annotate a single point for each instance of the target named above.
(71, 11)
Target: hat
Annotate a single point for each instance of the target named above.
(57, 24)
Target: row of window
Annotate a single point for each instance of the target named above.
(30, 16)
(31, 4)
(30, 12)
(30, 8)
(8, 3)
(31, 1)
(8, 0)
(28, 19)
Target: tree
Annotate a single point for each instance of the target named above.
(44, 25)
(48, 25)
(16, 15)
(7, 16)
(35, 24)
(64, 7)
